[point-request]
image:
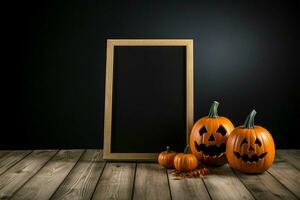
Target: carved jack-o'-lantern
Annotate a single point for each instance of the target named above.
(250, 148)
(209, 135)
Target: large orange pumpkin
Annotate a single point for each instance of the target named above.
(209, 135)
(250, 148)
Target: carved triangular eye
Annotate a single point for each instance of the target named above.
(222, 130)
(258, 142)
(202, 131)
(244, 141)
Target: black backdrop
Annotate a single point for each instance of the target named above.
(149, 99)
(246, 56)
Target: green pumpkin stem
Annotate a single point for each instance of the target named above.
(249, 123)
(168, 149)
(187, 149)
(213, 111)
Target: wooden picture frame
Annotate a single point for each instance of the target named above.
(111, 44)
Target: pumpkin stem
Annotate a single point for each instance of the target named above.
(249, 123)
(187, 149)
(168, 149)
(213, 111)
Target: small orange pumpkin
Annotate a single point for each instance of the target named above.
(209, 135)
(166, 158)
(250, 148)
(185, 161)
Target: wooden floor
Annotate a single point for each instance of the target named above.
(82, 174)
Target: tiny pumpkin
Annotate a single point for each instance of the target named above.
(209, 136)
(185, 161)
(166, 158)
(250, 148)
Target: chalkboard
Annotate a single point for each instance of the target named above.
(149, 97)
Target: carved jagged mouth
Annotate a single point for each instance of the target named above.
(253, 158)
(211, 150)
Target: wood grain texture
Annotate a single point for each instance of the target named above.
(47, 180)
(10, 158)
(3, 152)
(108, 99)
(42, 174)
(17, 175)
(187, 189)
(81, 182)
(150, 42)
(116, 181)
(189, 88)
(264, 186)
(151, 182)
(222, 183)
(287, 174)
(290, 155)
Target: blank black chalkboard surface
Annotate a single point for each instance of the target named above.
(148, 97)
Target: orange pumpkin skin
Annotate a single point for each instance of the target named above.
(185, 161)
(217, 130)
(250, 149)
(166, 158)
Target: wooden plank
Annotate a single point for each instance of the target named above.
(116, 181)
(222, 183)
(264, 186)
(81, 182)
(287, 174)
(292, 156)
(188, 188)
(3, 152)
(17, 175)
(151, 182)
(47, 180)
(10, 158)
